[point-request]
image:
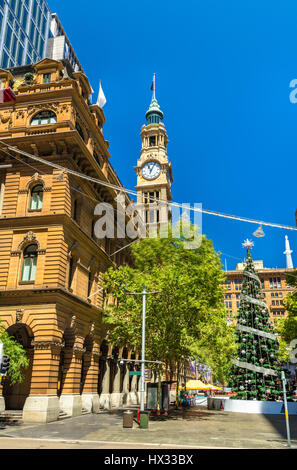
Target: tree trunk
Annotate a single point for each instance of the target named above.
(159, 391)
(177, 385)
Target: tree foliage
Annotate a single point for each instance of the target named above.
(17, 355)
(288, 326)
(186, 318)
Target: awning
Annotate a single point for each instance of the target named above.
(194, 385)
(212, 387)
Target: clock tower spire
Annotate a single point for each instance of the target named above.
(153, 170)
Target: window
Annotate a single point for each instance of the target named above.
(44, 117)
(228, 284)
(275, 282)
(29, 263)
(36, 197)
(75, 210)
(90, 282)
(238, 284)
(152, 141)
(70, 273)
(47, 77)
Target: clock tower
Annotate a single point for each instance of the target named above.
(154, 173)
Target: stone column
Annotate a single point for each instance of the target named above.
(90, 397)
(42, 405)
(70, 399)
(116, 396)
(104, 399)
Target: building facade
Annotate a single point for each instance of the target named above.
(29, 32)
(51, 261)
(274, 287)
(24, 31)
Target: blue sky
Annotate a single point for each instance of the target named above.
(223, 70)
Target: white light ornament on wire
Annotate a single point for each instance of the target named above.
(259, 232)
(248, 244)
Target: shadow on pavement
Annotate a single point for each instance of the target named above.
(279, 423)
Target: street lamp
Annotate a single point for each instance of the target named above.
(144, 293)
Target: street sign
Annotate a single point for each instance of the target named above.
(135, 372)
(147, 375)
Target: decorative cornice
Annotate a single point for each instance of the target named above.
(47, 344)
(15, 253)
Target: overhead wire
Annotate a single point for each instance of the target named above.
(74, 189)
(134, 193)
(97, 201)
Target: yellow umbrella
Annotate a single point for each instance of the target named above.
(194, 385)
(211, 387)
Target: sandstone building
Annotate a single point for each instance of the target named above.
(274, 287)
(51, 263)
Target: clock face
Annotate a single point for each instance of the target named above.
(151, 170)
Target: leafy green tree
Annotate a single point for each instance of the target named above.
(17, 355)
(186, 318)
(288, 327)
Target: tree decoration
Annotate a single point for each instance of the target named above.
(255, 372)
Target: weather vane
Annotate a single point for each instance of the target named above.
(248, 243)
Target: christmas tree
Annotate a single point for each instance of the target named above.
(256, 371)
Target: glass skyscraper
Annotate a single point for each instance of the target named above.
(24, 31)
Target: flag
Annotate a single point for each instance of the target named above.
(6, 95)
(153, 87)
(101, 98)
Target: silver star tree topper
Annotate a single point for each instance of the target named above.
(248, 243)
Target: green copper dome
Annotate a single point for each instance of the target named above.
(154, 113)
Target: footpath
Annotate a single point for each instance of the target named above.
(193, 428)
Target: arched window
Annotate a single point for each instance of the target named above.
(36, 197)
(29, 263)
(44, 117)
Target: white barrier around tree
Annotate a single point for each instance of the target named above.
(250, 406)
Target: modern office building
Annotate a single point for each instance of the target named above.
(24, 31)
(59, 46)
(29, 32)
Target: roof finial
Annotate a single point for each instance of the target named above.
(153, 87)
(288, 252)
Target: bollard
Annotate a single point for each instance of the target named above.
(128, 419)
(144, 419)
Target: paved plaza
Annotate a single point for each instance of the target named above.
(196, 428)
